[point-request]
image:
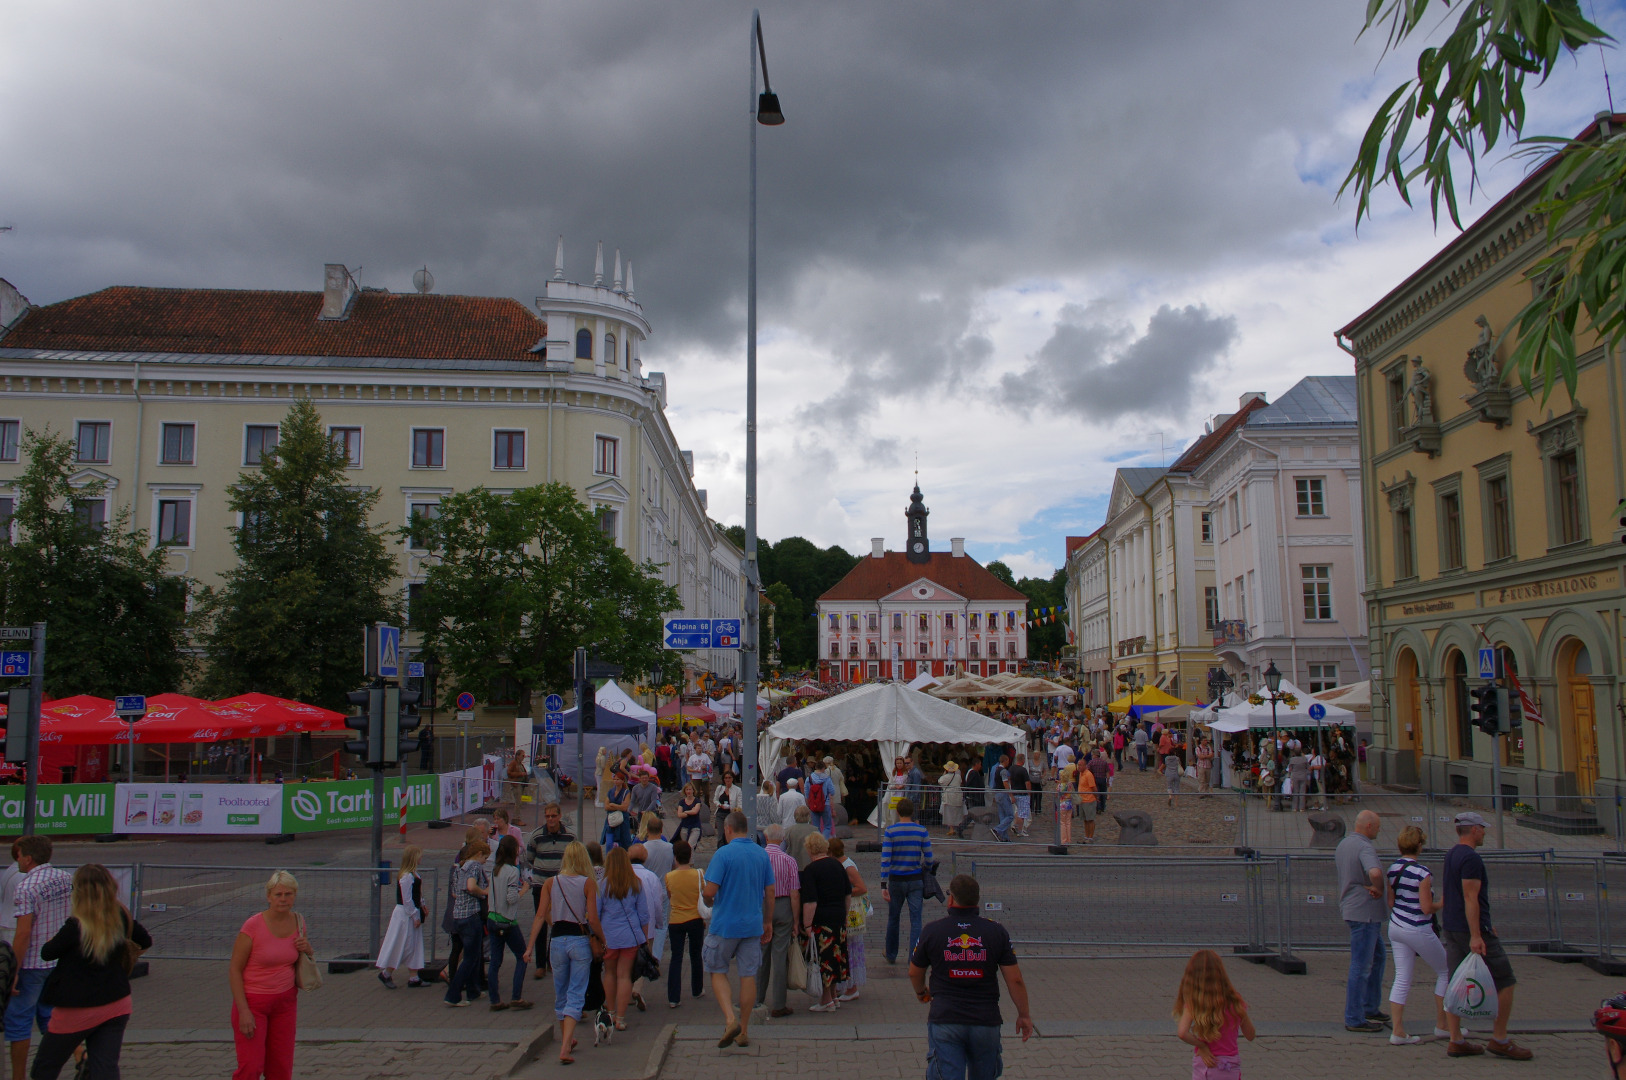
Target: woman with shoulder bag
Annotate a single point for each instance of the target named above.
(265, 984)
(472, 885)
(1410, 886)
(569, 908)
(627, 922)
(89, 989)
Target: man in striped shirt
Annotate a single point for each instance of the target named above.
(906, 854)
(787, 905)
(43, 897)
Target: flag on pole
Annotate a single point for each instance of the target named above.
(1526, 704)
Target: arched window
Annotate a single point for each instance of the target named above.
(584, 344)
(610, 356)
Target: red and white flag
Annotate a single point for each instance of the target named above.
(1527, 704)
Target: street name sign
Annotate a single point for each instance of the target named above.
(702, 634)
(415, 669)
(725, 633)
(16, 633)
(130, 706)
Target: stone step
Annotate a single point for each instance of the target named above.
(1561, 822)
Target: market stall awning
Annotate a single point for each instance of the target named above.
(1296, 714)
(171, 718)
(1148, 700)
(808, 690)
(282, 715)
(1355, 695)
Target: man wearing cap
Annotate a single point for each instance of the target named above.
(789, 801)
(1465, 921)
(1360, 902)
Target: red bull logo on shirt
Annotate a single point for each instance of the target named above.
(965, 949)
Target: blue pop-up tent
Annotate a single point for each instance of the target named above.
(611, 730)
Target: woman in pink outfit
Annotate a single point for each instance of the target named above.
(264, 994)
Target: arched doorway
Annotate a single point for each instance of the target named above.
(1408, 711)
(1461, 715)
(1578, 738)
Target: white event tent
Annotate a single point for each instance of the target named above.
(890, 715)
(923, 680)
(611, 698)
(1243, 716)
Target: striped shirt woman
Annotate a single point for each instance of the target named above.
(1411, 933)
(1405, 877)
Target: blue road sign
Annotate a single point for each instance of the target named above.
(1318, 712)
(688, 626)
(725, 633)
(553, 703)
(688, 641)
(132, 704)
(389, 652)
(554, 721)
(415, 670)
(556, 738)
(465, 701)
(1487, 663)
(19, 664)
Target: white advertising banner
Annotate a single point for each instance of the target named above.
(462, 793)
(202, 809)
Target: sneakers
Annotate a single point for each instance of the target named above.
(671, 1004)
(1365, 1025)
(831, 1007)
(1404, 1040)
(1379, 1017)
(850, 995)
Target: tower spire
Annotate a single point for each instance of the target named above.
(559, 259)
(617, 278)
(918, 548)
(629, 279)
(598, 265)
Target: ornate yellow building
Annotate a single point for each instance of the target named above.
(1489, 519)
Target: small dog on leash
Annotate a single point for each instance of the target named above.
(603, 1027)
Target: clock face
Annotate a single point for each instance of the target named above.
(919, 547)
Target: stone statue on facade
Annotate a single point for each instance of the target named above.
(1481, 368)
(1421, 392)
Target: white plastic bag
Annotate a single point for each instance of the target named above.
(1471, 993)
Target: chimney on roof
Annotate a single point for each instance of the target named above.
(1251, 395)
(688, 461)
(877, 547)
(701, 493)
(656, 381)
(338, 289)
(12, 304)
(957, 546)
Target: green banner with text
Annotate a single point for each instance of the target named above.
(59, 808)
(348, 804)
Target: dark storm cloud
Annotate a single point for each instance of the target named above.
(932, 153)
(1097, 371)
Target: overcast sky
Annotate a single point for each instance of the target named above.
(1025, 243)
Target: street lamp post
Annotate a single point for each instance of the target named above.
(764, 110)
(1273, 683)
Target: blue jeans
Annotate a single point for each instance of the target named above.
(25, 1009)
(963, 1052)
(571, 959)
(1140, 755)
(511, 937)
(824, 821)
(468, 932)
(1366, 964)
(1005, 806)
(911, 891)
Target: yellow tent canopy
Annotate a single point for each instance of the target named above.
(1149, 698)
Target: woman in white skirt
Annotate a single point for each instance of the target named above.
(953, 796)
(403, 942)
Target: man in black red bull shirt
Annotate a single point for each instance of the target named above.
(964, 954)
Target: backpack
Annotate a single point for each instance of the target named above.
(815, 797)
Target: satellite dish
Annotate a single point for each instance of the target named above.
(423, 280)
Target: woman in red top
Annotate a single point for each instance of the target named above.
(264, 996)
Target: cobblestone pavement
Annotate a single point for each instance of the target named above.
(349, 1060)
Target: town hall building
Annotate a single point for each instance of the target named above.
(898, 614)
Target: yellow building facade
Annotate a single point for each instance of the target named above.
(1490, 521)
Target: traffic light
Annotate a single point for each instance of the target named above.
(407, 721)
(587, 708)
(1487, 709)
(369, 723)
(16, 706)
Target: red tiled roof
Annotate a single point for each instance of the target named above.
(1198, 452)
(260, 322)
(874, 578)
(1076, 542)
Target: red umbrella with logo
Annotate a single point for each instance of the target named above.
(283, 715)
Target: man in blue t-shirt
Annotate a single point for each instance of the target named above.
(739, 888)
(1465, 924)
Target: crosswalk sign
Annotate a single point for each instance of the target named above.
(389, 652)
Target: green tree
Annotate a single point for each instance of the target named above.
(793, 630)
(516, 582)
(115, 618)
(1045, 641)
(1466, 96)
(312, 572)
(806, 571)
(1002, 572)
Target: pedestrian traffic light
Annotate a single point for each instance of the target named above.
(1486, 709)
(407, 721)
(16, 703)
(587, 708)
(369, 723)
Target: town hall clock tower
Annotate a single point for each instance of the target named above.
(919, 548)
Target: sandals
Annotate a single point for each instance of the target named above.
(620, 1023)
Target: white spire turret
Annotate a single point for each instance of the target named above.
(598, 265)
(559, 260)
(617, 279)
(629, 279)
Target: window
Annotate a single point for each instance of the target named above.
(509, 452)
(1157, 536)
(835, 650)
(1451, 531)
(973, 650)
(1241, 600)
(923, 622)
(252, 521)
(852, 621)
(9, 430)
(176, 442)
(1312, 502)
(1567, 498)
(1498, 519)
(1397, 403)
(1211, 615)
(8, 509)
(874, 621)
(414, 594)
(925, 650)
(1207, 520)
(175, 522)
(1316, 582)
(608, 522)
(948, 620)
(1010, 620)
(1236, 515)
(607, 456)
(852, 648)
(348, 441)
(1322, 677)
(94, 442)
(584, 344)
(428, 448)
(91, 513)
(1010, 648)
(258, 440)
(610, 356)
(835, 622)
(1405, 555)
(874, 650)
(974, 621)
(421, 512)
(897, 622)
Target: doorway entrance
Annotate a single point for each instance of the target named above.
(1580, 735)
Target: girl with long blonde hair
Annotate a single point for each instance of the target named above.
(1211, 1015)
(403, 941)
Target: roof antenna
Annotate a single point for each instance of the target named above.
(1603, 59)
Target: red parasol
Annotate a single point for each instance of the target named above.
(280, 715)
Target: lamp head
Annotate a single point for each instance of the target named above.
(1273, 678)
(768, 113)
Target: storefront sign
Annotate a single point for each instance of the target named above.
(1443, 605)
(59, 808)
(1561, 588)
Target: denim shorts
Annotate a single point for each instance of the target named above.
(25, 1008)
(746, 952)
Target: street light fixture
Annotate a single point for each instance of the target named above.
(766, 112)
(1273, 683)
